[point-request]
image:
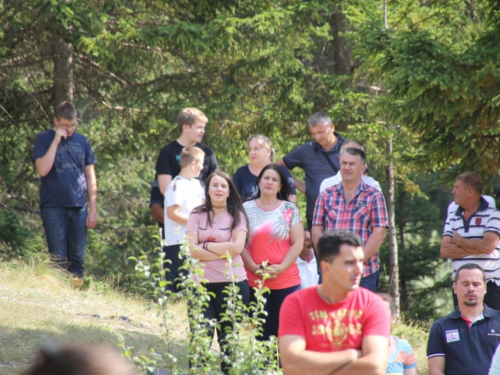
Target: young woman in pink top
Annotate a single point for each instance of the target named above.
(215, 229)
(276, 238)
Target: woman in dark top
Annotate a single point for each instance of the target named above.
(261, 154)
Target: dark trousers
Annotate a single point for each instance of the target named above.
(217, 306)
(274, 300)
(172, 271)
(371, 282)
(491, 298)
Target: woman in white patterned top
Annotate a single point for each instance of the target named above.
(276, 237)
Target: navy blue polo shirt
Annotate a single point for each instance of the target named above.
(311, 158)
(466, 351)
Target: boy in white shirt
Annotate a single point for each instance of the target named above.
(182, 195)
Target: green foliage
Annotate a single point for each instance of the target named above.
(245, 353)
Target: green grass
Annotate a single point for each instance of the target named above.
(39, 304)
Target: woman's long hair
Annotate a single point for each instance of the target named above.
(234, 205)
(286, 189)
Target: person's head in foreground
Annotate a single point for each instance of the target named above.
(78, 359)
(341, 260)
(469, 285)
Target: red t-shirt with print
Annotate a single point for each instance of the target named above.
(331, 327)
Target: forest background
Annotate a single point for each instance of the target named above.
(417, 82)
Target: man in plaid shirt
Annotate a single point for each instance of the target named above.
(354, 206)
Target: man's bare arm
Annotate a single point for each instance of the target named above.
(374, 358)
(297, 360)
(436, 365)
(92, 195)
(163, 182)
(374, 242)
(157, 212)
(46, 162)
(486, 245)
(316, 232)
(299, 185)
(449, 250)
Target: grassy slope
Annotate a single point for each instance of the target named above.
(37, 304)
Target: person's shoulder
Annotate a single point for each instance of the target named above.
(46, 133)
(241, 170)
(174, 145)
(206, 149)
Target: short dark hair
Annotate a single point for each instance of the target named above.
(330, 242)
(319, 118)
(355, 152)
(469, 266)
(387, 298)
(472, 180)
(65, 110)
(286, 189)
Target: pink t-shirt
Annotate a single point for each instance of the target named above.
(218, 271)
(331, 327)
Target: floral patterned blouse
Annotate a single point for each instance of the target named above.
(270, 240)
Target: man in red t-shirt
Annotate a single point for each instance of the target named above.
(336, 327)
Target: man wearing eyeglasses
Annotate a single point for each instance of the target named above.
(68, 192)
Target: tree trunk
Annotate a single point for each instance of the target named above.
(63, 87)
(393, 244)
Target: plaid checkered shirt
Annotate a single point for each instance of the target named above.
(361, 215)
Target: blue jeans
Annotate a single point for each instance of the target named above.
(66, 232)
(370, 282)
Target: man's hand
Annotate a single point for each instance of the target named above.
(60, 133)
(456, 239)
(91, 220)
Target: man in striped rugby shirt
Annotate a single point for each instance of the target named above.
(471, 234)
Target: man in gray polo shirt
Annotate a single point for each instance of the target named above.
(319, 158)
(471, 234)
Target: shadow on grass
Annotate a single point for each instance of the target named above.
(19, 346)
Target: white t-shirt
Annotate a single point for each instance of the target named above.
(337, 179)
(188, 194)
(308, 272)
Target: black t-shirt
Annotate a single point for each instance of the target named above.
(168, 160)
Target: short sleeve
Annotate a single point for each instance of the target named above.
(193, 222)
(448, 230)
(379, 212)
(294, 158)
(296, 214)
(290, 180)
(435, 344)
(493, 224)
(163, 163)
(377, 320)
(410, 360)
(237, 181)
(243, 224)
(90, 158)
(290, 320)
(40, 147)
(319, 210)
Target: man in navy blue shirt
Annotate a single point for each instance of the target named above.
(463, 343)
(65, 161)
(319, 159)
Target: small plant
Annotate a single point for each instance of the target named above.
(245, 353)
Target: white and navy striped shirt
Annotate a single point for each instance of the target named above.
(485, 219)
